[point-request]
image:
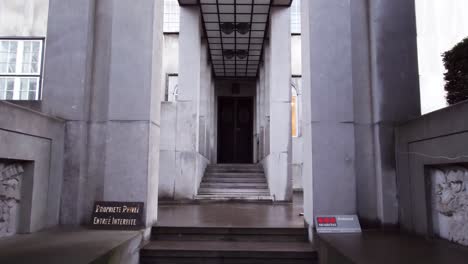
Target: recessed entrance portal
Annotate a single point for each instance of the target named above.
(235, 130)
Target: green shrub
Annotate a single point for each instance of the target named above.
(456, 77)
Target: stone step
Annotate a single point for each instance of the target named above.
(232, 171)
(227, 252)
(235, 174)
(234, 197)
(238, 190)
(234, 180)
(235, 165)
(229, 234)
(239, 182)
(217, 185)
(234, 168)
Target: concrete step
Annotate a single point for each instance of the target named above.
(239, 182)
(227, 252)
(232, 171)
(229, 234)
(255, 168)
(237, 190)
(234, 180)
(235, 165)
(236, 174)
(229, 185)
(234, 197)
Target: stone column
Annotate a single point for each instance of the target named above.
(361, 60)
(307, 176)
(187, 102)
(279, 161)
(67, 77)
(108, 88)
(132, 76)
(331, 93)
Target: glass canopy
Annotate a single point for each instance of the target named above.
(235, 30)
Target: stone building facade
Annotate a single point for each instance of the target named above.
(128, 112)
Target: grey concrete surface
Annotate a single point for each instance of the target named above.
(72, 245)
(37, 140)
(387, 248)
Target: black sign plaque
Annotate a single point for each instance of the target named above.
(117, 215)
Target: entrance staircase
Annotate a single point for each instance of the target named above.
(209, 245)
(234, 182)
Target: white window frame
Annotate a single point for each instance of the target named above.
(19, 77)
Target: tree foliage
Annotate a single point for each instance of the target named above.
(456, 76)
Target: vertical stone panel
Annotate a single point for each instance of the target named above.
(188, 102)
(331, 93)
(280, 146)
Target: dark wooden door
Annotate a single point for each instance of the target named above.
(235, 130)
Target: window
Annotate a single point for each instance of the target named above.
(20, 69)
(295, 107)
(171, 16)
(296, 17)
(294, 121)
(172, 87)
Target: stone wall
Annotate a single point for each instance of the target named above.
(23, 18)
(449, 203)
(427, 149)
(31, 169)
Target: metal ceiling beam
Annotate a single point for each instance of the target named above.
(274, 2)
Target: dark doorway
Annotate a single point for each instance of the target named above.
(235, 129)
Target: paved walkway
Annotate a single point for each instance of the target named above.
(232, 214)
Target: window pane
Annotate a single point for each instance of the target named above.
(294, 116)
(32, 95)
(31, 57)
(171, 16)
(11, 63)
(36, 47)
(24, 95)
(26, 62)
(11, 56)
(2, 88)
(296, 17)
(4, 50)
(27, 46)
(33, 84)
(10, 84)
